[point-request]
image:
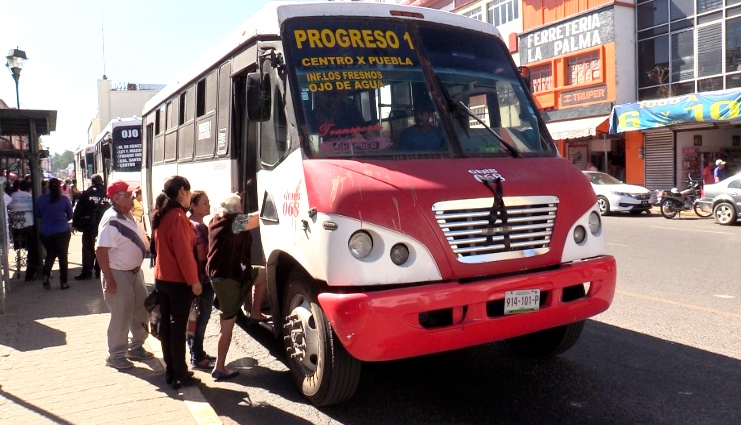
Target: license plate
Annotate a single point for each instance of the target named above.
(644, 202)
(522, 301)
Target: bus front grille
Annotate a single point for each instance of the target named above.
(527, 233)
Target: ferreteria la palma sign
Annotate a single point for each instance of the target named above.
(572, 35)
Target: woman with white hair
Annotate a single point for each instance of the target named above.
(230, 268)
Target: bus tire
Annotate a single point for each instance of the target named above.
(549, 342)
(321, 367)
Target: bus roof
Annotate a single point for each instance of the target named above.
(267, 20)
(118, 122)
(85, 149)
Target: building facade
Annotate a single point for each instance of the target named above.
(118, 101)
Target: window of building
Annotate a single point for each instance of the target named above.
(733, 45)
(652, 14)
(653, 65)
(583, 69)
(710, 51)
(542, 78)
(680, 9)
(708, 5)
(475, 14)
(683, 55)
(503, 11)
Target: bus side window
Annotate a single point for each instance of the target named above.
(274, 132)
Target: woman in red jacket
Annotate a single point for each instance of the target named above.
(175, 277)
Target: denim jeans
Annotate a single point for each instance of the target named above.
(195, 344)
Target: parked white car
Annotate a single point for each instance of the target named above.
(614, 195)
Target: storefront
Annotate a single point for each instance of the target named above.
(573, 67)
(683, 134)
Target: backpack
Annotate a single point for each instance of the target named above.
(152, 304)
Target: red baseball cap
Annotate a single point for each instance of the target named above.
(118, 187)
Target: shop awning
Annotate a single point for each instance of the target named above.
(722, 106)
(574, 129)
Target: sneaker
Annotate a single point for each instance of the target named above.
(139, 354)
(118, 363)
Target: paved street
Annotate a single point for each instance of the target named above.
(667, 352)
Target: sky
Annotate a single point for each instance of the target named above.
(146, 42)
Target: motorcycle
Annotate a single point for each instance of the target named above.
(674, 201)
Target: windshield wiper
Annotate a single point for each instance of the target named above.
(513, 150)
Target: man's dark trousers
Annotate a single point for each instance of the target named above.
(88, 253)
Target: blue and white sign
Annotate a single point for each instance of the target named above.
(717, 106)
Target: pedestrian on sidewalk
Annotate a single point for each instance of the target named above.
(54, 212)
(232, 275)
(23, 227)
(120, 252)
(90, 209)
(720, 170)
(199, 208)
(175, 277)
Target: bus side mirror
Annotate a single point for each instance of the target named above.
(258, 97)
(525, 74)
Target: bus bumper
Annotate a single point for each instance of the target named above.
(385, 325)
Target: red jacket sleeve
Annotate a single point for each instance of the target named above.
(183, 240)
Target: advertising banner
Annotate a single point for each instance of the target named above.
(710, 107)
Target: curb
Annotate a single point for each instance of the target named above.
(194, 400)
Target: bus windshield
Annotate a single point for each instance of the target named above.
(392, 88)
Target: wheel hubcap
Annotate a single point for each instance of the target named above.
(602, 205)
(303, 336)
(723, 214)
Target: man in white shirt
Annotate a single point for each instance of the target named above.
(120, 251)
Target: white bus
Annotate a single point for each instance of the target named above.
(116, 154)
(411, 200)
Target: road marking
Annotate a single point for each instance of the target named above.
(616, 244)
(680, 304)
(693, 230)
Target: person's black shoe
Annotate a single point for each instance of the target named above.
(64, 286)
(185, 382)
(84, 276)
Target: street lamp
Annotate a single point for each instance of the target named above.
(16, 59)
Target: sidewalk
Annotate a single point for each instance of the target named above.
(52, 352)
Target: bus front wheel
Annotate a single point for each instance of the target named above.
(321, 367)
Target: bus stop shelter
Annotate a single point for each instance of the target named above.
(32, 124)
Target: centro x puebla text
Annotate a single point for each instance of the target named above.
(328, 42)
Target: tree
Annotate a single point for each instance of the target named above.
(59, 162)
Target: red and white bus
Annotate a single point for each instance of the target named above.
(410, 196)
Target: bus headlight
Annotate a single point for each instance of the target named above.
(595, 223)
(399, 254)
(580, 233)
(360, 244)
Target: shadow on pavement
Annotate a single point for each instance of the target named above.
(33, 408)
(638, 379)
(641, 379)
